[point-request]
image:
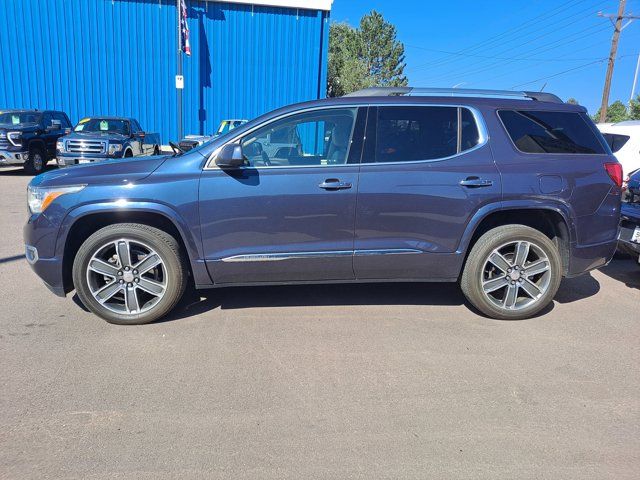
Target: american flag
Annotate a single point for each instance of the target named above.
(184, 29)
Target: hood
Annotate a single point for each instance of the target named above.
(113, 137)
(108, 172)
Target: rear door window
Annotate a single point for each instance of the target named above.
(415, 133)
(550, 132)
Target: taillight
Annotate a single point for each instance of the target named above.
(614, 169)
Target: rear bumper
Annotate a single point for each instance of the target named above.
(584, 259)
(8, 158)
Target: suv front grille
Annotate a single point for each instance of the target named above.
(86, 146)
(4, 142)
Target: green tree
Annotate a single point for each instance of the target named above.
(346, 71)
(616, 112)
(573, 101)
(634, 110)
(369, 55)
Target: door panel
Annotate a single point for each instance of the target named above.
(278, 225)
(288, 215)
(411, 215)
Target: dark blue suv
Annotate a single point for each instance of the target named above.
(504, 192)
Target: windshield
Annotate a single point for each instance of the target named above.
(16, 118)
(103, 125)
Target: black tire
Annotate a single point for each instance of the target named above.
(475, 273)
(128, 154)
(156, 150)
(167, 248)
(36, 162)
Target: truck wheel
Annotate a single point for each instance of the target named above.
(130, 274)
(512, 272)
(156, 150)
(128, 154)
(36, 162)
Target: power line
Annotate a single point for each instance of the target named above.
(523, 26)
(550, 46)
(603, 59)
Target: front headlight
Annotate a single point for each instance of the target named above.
(39, 198)
(60, 146)
(15, 138)
(114, 147)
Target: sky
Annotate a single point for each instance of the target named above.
(562, 47)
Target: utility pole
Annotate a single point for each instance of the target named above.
(179, 77)
(617, 28)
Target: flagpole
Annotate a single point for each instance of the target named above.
(179, 65)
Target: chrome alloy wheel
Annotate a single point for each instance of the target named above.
(38, 162)
(127, 276)
(516, 275)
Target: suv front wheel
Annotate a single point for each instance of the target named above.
(130, 273)
(512, 272)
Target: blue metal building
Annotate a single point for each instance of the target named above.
(119, 57)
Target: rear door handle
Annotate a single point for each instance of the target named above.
(475, 182)
(334, 184)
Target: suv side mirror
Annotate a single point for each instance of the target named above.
(230, 156)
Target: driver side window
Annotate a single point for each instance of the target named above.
(320, 137)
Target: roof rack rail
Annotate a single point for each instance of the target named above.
(453, 92)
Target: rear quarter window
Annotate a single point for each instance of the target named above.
(550, 132)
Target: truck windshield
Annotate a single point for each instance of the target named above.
(103, 125)
(16, 118)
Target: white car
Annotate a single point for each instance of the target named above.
(624, 140)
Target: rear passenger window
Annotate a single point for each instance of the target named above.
(550, 132)
(412, 133)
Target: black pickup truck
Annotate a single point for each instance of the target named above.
(28, 137)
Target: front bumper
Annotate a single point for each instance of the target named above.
(8, 158)
(40, 235)
(64, 161)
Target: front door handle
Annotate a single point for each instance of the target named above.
(334, 184)
(475, 182)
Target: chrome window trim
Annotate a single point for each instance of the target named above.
(483, 133)
(276, 257)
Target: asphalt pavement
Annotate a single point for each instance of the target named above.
(384, 381)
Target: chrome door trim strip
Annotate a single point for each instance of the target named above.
(276, 257)
(387, 251)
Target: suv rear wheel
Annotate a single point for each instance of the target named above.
(130, 273)
(512, 272)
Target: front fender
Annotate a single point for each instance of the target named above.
(555, 205)
(123, 207)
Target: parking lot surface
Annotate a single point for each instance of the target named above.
(347, 381)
